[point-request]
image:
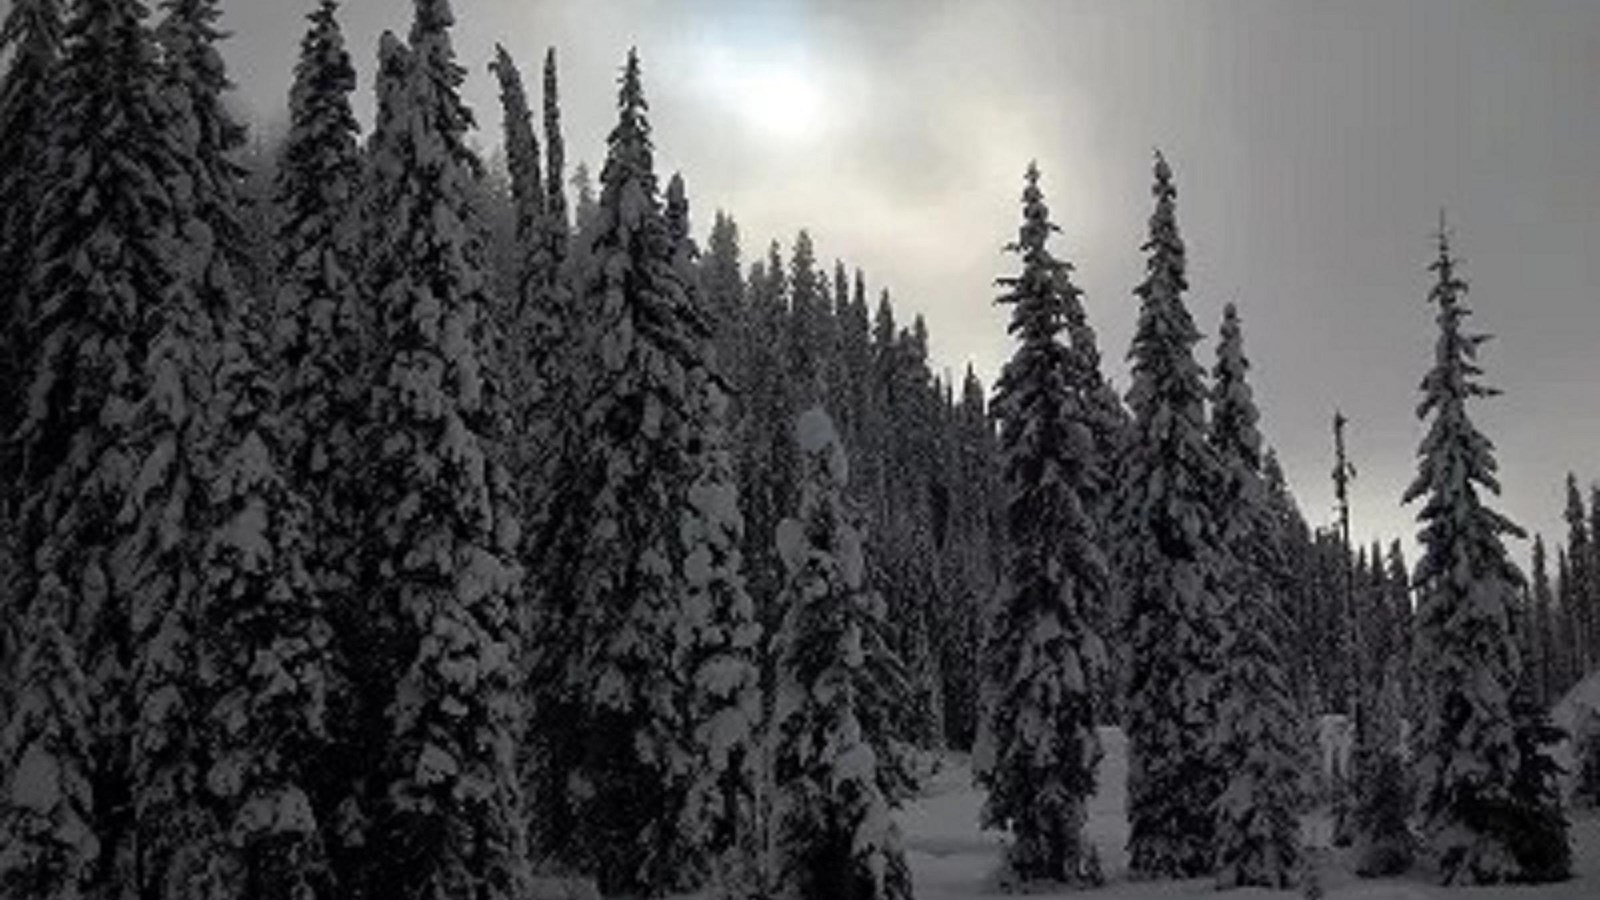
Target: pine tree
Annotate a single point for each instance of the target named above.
(556, 225)
(1258, 829)
(265, 645)
(722, 279)
(48, 846)
(251, 653)
(1467, 747)
(717, 634)
(838, 765)
(621, 674)
(113, 387)
(31, 33)
(447, 809)
(1172, 565)
(1398, 580)
(1581, 567)
(1544, 663)
(324, 343)
(1045, 657)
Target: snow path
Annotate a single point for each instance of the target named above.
(952, 859)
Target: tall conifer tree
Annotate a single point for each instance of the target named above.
(1478, 819)
(447, 816)
(1172, 559)
(647, 341)
(840, 764)
(1258, 828)
(1045, 657)
(108, 388)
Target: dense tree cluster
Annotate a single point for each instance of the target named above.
(377, 523)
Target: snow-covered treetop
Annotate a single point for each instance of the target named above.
(1041, 295)
(1578, 525)
(555, 150)
(34, 28)
(320, 159)
(678, 225)
(630, 165)
(436, 61)
(1456, 458)
(1234, 416)
(1164, 369)
(522, 147)
(189, 37)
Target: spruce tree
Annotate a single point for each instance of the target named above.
(1258, 828)
(839, 764)
(621, 674)
(1544, 664)
(446, 804)
(177, 436)
(48, 845)
(324, 330)
(31, 33)
(259, 661)
(1172, 560)
(1468, 758)
(1581, 568)
(717, 635)
(266, 645)
(324, 345)
(112, 387)
(1045, 658)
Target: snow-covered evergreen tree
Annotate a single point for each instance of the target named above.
(1172, 562)
(1581, 568)
(31, 35)
(48, 847)
(717, 635)
(266, 645)
(323, 329)
(1468, 753)
(202, 382)
(1045, 658)
(1258, 826)
(837, 763)
(103, 449)
(324, 342)
(645, 342)
(447, 814)
(1545, 664)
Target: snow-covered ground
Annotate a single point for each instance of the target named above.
(952, 859)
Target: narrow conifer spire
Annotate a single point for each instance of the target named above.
(447, 809)
(1258, 826)
(839, 762)
(522, 152)
(555, 161)
(1487, 810)
(32, 34)
(1172, 566)
(1046, 659)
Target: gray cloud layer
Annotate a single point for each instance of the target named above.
(1314, 144)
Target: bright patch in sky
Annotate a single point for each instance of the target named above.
(778, 96)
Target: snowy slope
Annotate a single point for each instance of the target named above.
(952, 859)
(1578, 714)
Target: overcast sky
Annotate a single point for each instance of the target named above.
(1314, 144)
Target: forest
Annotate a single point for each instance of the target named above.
(384, 521)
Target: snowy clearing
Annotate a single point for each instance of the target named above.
(952, 859)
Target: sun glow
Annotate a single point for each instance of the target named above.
(777, 97)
